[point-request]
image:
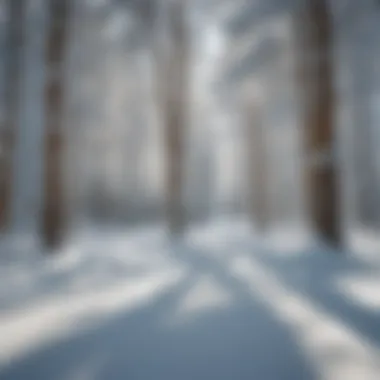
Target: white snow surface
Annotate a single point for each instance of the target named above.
(218, 304)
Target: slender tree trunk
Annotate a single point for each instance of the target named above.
(14, 39)
(257, 166)
(363, 66)
(316, 81)
(175, 114)
(53, 210)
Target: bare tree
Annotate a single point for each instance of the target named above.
(316, 86)
(172, 72)
(363, 73)
(14, 39)
(256, 154)
(53, 210)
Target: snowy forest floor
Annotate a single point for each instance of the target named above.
(219, 304)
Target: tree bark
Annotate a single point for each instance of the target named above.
(14, 41)
(175, 90)
(257, 169)
(317, 91)
(54, 208)
(363, 66)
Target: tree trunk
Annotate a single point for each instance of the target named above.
(14, 40)
(53, 210)
(257, 170)
(316, 81)
(363, 66)
(175, 114)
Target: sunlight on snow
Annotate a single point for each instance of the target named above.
(27, 329)
(362, 290)
(204, 296)
(336, 350)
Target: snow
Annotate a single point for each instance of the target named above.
(221, 303)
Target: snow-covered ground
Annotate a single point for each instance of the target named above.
(219, 304)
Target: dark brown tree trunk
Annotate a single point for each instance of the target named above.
(14, 40)
(54, 210)
(316, 81)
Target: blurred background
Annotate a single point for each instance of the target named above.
(155, 147)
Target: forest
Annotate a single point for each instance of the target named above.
(189, 189)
